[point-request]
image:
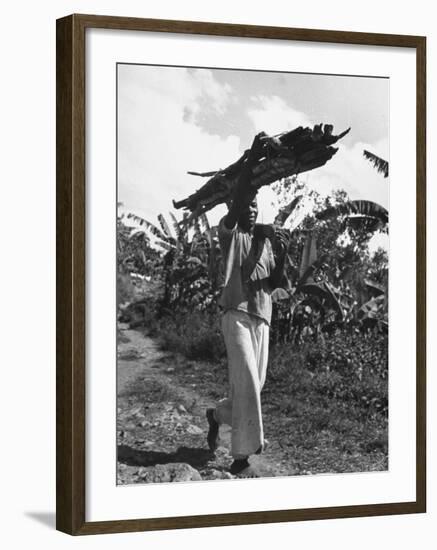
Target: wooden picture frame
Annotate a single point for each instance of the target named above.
(71, 253)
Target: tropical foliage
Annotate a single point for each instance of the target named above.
(186, 259)
(380, 164)
(326, 393)
(335, 284)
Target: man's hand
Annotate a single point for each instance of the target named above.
(282, 241)
(280, 247)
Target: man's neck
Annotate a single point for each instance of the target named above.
(249, 231)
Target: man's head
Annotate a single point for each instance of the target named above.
(248, 216)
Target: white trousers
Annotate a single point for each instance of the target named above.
(247, 344)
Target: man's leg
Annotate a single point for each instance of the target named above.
(262, 351)
(213, 430)
(244, 408)
(260, 341)
(223, 410)
(262, 356)
(221, 414)
(246, 340)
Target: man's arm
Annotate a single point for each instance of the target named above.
(282, 242)
(244, 193)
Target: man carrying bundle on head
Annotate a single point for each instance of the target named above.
(252, 272)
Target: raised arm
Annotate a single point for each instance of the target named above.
(244, 193)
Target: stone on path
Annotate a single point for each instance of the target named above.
(194, 430)
(166, 473)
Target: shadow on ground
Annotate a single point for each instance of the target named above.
(193, 456)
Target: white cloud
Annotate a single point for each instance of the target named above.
(273, 115)
(159, 141)
(158, 144)
(349, 170)
(203, 86)
(378, 240)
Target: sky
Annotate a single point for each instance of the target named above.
(175, 119)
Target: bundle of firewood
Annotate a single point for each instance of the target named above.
(283, 155)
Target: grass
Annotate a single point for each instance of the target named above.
(324, 403)
(197, 336)
(330, 420)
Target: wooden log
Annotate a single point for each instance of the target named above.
(283, 155)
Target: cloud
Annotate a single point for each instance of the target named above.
(161, 137)
(208, 92)
(273, 115)
(379, 240)
(349, 170)
(158, 138)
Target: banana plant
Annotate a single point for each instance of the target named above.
(190, 259)
(309, 302)
(356, 213)
(380, 164)
(163, 239)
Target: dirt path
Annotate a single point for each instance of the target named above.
(161, 424)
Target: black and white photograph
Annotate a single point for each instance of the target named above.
(252, 274)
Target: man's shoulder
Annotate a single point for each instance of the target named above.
(224, 232)
(223, 228)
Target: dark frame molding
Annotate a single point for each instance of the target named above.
(70, 273)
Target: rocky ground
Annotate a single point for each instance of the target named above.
(161, 423)
(161, 419)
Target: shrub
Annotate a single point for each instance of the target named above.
(350, 368)
(196, 335)
(125, 288)
(352, 353)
